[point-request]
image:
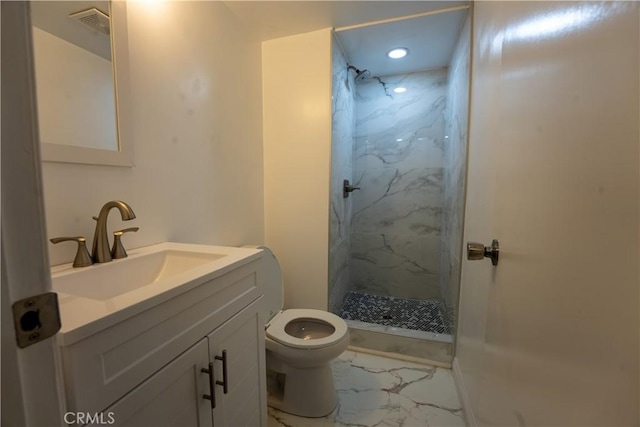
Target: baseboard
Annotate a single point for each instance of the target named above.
(469, 418)
(400, 357)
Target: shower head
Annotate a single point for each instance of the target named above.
(360, 74)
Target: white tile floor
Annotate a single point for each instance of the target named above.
(377, 391)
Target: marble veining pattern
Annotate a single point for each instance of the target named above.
(392, 129)
(454, 177)
(402, 265)
(342, 136)
(398, 201)
(377, 391)
(398, 163)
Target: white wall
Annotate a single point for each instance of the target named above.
(550, 336)
(196, 117)
(297, 162)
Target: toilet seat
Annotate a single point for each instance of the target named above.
(276, 332)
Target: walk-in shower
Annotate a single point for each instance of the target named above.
(400, 136)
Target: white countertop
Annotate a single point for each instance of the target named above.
(84, 316)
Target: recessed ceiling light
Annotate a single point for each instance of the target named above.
(397, 53)
(400, 90)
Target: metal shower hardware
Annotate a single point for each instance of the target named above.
(360, 74)
(347, 188)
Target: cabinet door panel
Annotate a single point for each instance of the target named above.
(171, 397)
(242, 337)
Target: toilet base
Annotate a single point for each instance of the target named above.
(305, 392)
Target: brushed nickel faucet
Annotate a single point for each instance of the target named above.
(101, 251)
(117, 250)
(82, 259)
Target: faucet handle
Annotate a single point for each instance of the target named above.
(118, 251)
(82, 259)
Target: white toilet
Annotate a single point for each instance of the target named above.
(300, 345)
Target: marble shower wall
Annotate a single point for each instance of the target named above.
(455, 161)
(398, 163)
(342, 135)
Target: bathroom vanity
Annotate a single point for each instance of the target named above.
(186, 347)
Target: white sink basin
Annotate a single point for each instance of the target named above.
(92, 297)
(118, 277)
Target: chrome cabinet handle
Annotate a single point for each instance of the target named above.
(82, 259)
(212, 396)
(478, 251)
(225, 380)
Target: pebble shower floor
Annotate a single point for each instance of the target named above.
(397, 312)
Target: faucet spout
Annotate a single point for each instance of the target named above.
(101, 251)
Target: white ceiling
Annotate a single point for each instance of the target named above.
(273, 19)
(430, 38)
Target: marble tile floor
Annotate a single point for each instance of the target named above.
(378, 391)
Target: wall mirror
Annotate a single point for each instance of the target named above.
(81, 56)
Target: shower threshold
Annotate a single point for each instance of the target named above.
(409, 318)
(400, 332)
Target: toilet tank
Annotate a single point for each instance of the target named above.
(273, 286)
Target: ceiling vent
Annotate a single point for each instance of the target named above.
(94, 19)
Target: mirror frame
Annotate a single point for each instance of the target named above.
(120, 59)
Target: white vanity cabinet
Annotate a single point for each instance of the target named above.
(174, 396)
(171, 397)
(150, 369)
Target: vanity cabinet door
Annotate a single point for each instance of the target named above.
(170, 397)
(237, 346)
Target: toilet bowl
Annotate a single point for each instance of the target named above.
(300, 344)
